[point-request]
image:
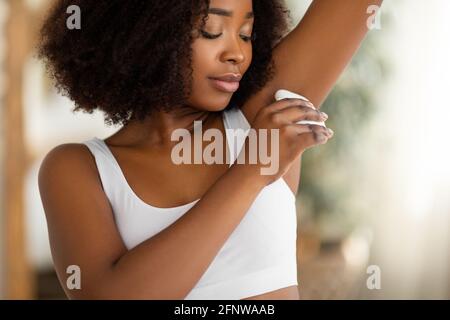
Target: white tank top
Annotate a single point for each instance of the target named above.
(260, 254)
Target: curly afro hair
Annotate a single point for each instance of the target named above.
(104, 65)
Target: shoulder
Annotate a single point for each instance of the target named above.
(73, 156)
(67, 166)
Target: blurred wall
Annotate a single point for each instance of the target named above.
(3, 16)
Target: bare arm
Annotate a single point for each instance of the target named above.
(82, 230)
(166, 266)
(311, 57)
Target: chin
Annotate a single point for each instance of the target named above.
(219, 107)
(214, 104)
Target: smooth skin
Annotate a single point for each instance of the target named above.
(167, 266)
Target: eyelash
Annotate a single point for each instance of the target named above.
(214, 36)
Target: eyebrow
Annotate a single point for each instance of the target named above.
(226, 13)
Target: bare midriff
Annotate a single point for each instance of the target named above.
(288, 293)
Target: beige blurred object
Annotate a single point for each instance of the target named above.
(308, 245)
(21, 26)
(336, 270)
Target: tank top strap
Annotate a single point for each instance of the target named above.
(108, 170)
(237, 129)
(235, 118)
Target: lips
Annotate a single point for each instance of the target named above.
(227, 83)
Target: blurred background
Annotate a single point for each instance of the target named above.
(373, 204)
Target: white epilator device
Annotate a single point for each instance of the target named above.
(284, 94)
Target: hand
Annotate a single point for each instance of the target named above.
(293, 139)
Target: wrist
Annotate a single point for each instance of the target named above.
(252, 174)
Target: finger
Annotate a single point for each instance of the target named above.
(316, 135)
(285, 103)
(311, 139)
(303, 102)
(318, 129)
(300, 128)
(296, 113)
(321, 129)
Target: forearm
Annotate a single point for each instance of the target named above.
(168, 265)
(323, 42)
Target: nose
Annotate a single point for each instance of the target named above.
(233, 53)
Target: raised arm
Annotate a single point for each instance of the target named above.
(310, 59)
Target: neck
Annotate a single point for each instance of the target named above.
(156, 130)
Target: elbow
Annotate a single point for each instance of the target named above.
(115, 285)
(125, 292)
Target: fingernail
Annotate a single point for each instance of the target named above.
(321, 138)
(330, 131)
(324, 115)
(311, 105)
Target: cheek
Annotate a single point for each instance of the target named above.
(204, 64)
(197, 63)
(249, 55)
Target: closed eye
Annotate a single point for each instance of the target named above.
(215, 36)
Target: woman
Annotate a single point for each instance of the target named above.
(140, 226)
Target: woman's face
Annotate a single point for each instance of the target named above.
(224, 47)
